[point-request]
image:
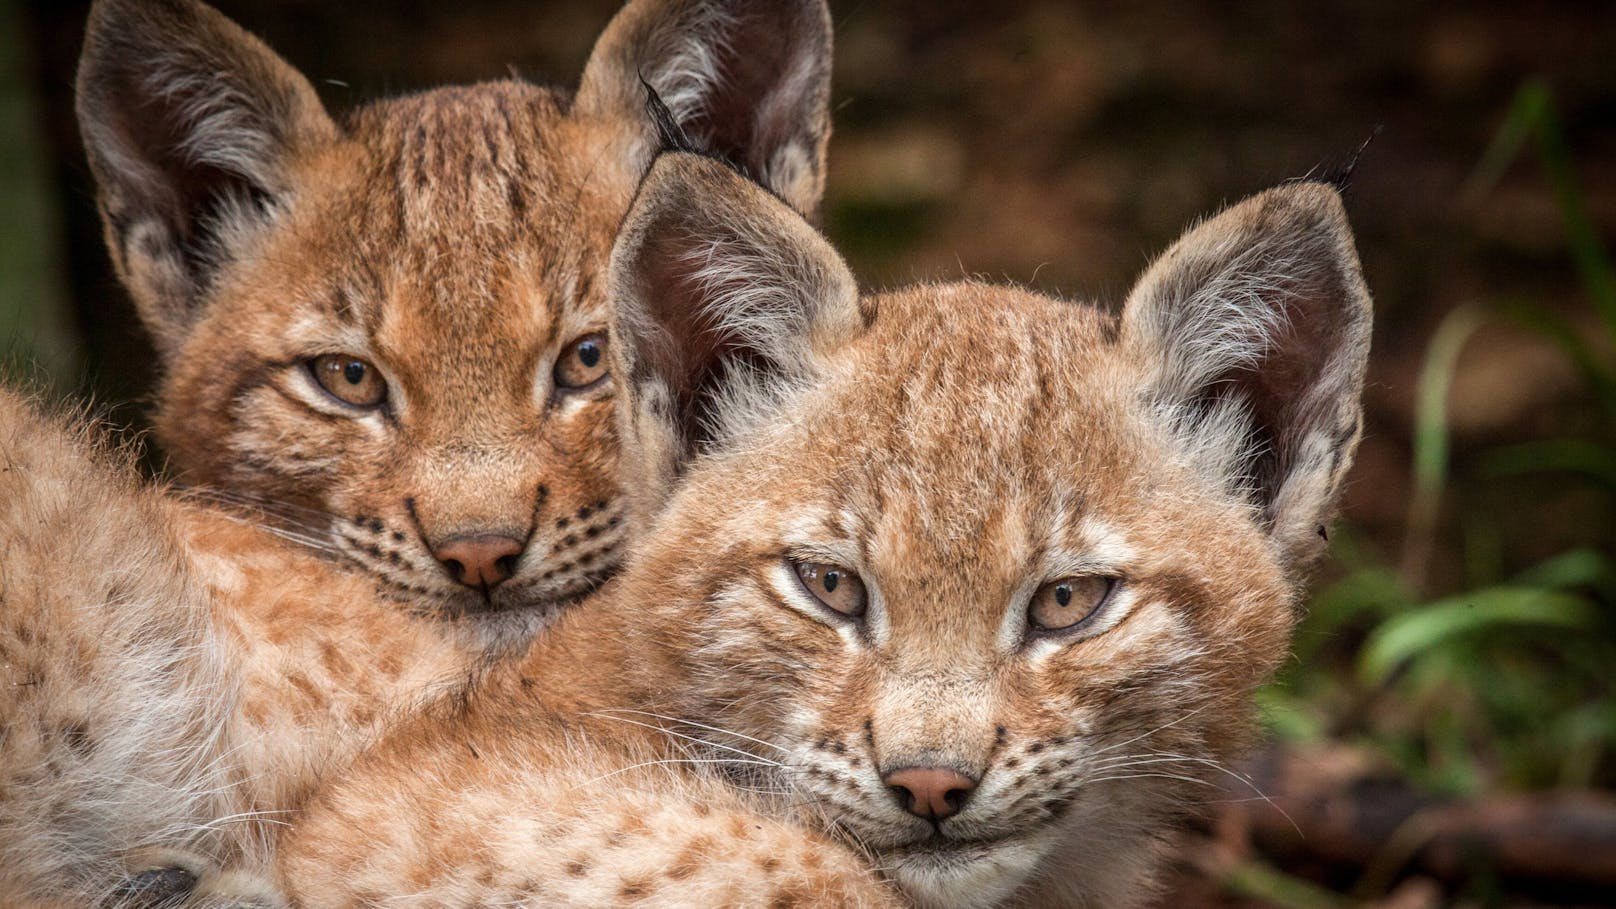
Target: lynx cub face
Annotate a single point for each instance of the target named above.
(986, 579)
(387, 331)
(975, 581)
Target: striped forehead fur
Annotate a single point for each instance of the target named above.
(496, 134)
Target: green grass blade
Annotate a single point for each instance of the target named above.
(1593, 262)
(1259, 881)
(1532, 114)
(1405, 637)
(1595, 366)
(1431, 437)
(1520, 120)
(1570, 570)
(1577, 456)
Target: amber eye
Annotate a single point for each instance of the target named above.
(1064, 604)
(582, 363)
(349, 379)
(836, 587)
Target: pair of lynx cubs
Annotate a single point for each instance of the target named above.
(953, 595)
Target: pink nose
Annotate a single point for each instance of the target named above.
(479, 561)
(932, 793)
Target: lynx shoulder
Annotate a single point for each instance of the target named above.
(385, 336)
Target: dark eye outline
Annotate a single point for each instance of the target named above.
(599, 337)
(1035, 630)
(311, 366)
(796, 566)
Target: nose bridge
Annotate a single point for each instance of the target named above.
(935, 719)
(954, 609)
(937, 701)
(476, 486)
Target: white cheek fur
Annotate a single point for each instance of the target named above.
(573, 404)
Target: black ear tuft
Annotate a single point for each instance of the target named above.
(1339, 174)
(671, 136)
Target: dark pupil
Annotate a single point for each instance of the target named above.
(354, 372)
(589, 353)
(832, 578)
(1063, 595)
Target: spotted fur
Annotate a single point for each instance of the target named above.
(957, 446)
(176, 679)
(181, 668)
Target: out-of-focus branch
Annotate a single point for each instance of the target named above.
(1327, 808)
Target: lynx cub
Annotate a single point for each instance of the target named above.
(974, 581)
(387, 332)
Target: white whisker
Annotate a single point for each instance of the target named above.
(689, 738)
(1120, 763)
(674, 719)
(668, 761)
(1151, 775)
(1153, 731)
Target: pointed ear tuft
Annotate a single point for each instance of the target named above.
(670, 135)
(1255, 329)
(721, 294)
(1339, 174)
(188, 122)
(747, 80)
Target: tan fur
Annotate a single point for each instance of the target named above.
(187, 672)
(177, 680)
(957, 446)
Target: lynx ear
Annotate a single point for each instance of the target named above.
(188, 121)
(1255, 326)
(747, 80)
(721, 296)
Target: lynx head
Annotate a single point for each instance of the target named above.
(388, 331)
(983, 579)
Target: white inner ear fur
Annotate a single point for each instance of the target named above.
(688, 75)
(742, 78)
(221, 125)
(686, 69)
(768, 296)
(1205, 325)
(1263, 306)
(721, 291)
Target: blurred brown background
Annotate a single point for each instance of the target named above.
(1060, 145)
